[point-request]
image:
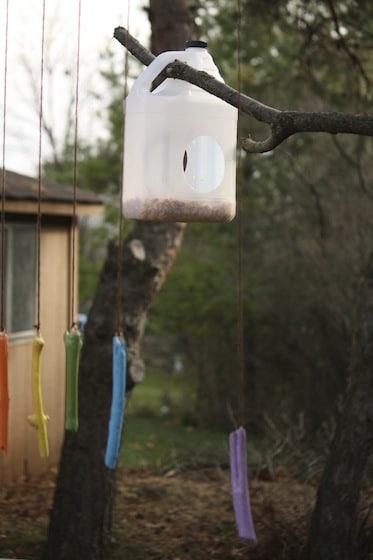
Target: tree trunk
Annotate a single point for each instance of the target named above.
(81, 517)
(172, 24)
(333, 529)
(80, 523)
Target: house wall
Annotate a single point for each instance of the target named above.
(22, 458)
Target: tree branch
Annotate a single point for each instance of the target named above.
(282, 123)
(130, 43)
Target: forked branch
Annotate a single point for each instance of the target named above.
(282, 124)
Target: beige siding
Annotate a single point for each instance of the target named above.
(23, 456)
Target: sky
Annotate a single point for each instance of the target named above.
(20, 78)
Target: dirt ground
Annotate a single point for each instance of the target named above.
(173, 515)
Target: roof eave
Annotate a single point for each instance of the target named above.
(52, 208)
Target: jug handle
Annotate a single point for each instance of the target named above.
(144, 81)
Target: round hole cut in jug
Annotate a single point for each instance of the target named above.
(203, 164)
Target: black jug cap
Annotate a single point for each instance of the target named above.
(201, 44)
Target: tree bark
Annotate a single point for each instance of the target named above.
(333, 530)
(81, 516)
(172, 23)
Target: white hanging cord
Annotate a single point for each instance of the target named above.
(38, 288)
(119, 306)
(75, 173)
(237, 439)
(240, 299)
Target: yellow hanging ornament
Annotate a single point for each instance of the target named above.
(38, 419)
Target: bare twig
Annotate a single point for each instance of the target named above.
(343, 43)
(129, 42)
(355, 163)
(282, 123)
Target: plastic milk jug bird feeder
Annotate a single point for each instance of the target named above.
(180, 146)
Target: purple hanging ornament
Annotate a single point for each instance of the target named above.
(239, 484)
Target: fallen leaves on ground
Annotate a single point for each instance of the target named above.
(173, 515)
(189, 514)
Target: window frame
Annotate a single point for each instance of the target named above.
(28, 224)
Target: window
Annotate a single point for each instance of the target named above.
(20, 277)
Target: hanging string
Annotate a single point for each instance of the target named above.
(119, 306)
(75, 172)
(119, 363)
(237, 439)
(2, 309)
(4, 392)
(240, 299)
(73, 339)
(38, 419)
(38, 221)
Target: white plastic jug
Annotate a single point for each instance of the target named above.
(179, 147)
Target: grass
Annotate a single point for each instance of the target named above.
(165, 443)
(32, 540)
(161, 394)
(155, 434)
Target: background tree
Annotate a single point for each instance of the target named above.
(333, 528)
(298, 218)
